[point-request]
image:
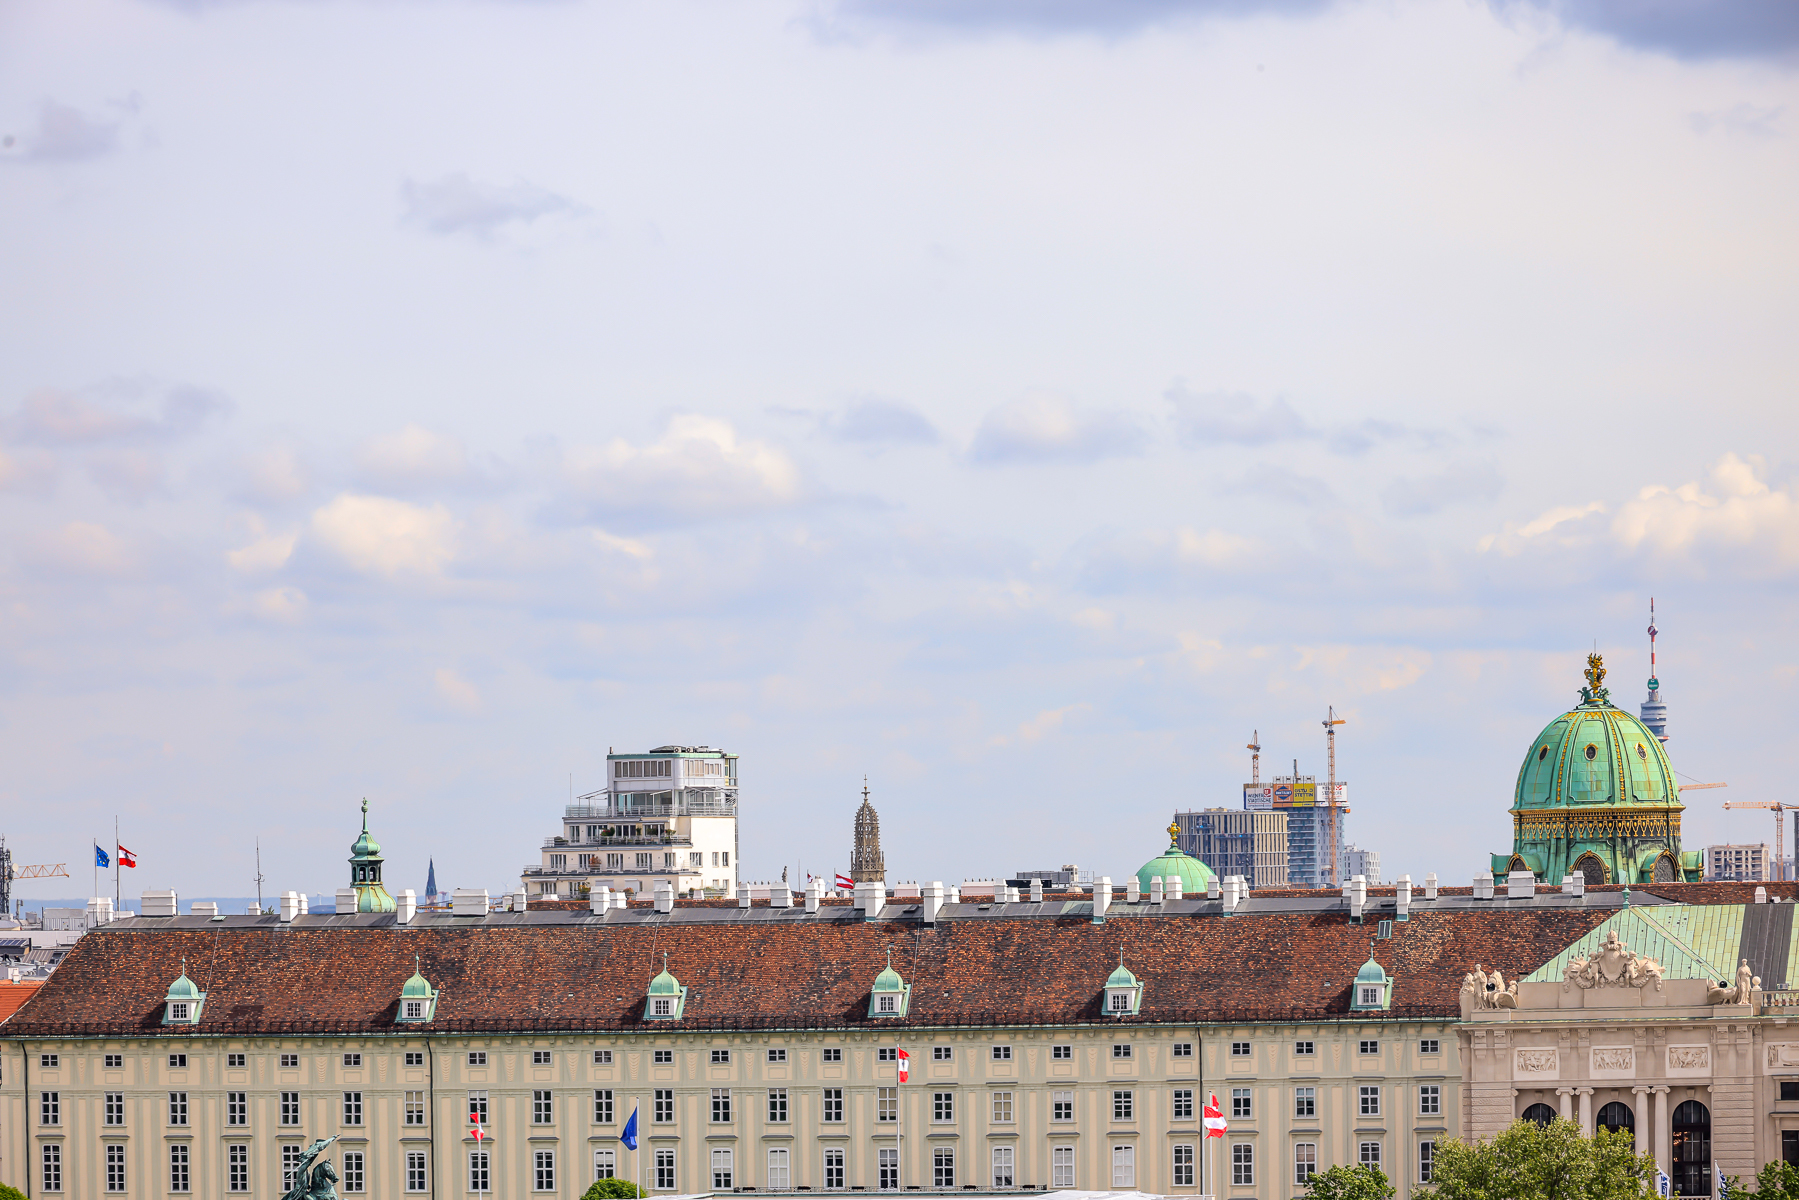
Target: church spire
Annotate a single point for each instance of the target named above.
(866, 862)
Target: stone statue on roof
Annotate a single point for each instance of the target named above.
(314, 1183)
(1613, 964)
(1724, 993)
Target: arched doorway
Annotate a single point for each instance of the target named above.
(1616, 1115)
(1588, 867)
(1692, 1149)
(1664, 869)
(1541, 1114)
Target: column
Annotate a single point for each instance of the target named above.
(1586, 1111)
(1664, 1136)
(1639, 1108)
(1564, 1103)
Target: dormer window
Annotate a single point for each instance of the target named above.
(890, 993)
(1370, 996)
(418, 999)
(184, 1001)
(1124, 995)
(667, 999)
(1373, 987)
(178, 1010)
(887, 1004)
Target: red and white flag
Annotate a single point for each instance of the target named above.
(127, 858)
(475, 1118)
(905, 1066)
(844, 881)
(1215, 1122)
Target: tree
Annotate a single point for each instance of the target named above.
(1350, 1183)
(9, 1192)
(1541, 1162)
(1775, 1181)
(610, 1189)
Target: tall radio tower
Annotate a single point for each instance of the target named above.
(1654, 713)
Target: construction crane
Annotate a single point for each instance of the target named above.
(1779, 810)
(1255, 756)
(1330, 736)
(8, 873)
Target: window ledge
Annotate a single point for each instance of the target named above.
(544, 1137)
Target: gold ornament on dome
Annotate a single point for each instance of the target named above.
(1174, 832)
(1595, 673)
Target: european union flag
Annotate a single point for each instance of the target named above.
(629, 1136)
(100, 859)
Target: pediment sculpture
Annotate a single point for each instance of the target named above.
(1725, 992)
(1612, 965)
(1482, 990)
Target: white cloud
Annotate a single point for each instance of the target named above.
(273, 476)
(1213, 548)
(1042, 725)
(622, 545)
(459, 692)
(1047, 428)
(287, 604)
(87, 548)
(265, 553)
(1096, 619)
(698, 468)
(414, 456)
(1513, 538)
(458, 204)
(1739, 511)
(383, 536)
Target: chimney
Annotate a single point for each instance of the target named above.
(1520, 885)
(520, 901)
(665, 896)
(99, 911)
(305, 904)
(469, 902)
(1403, 906)
(405, 904)
(1102, 898)
(1430, 886)
(1037, 890)
(160, 904)
(1155, 889)
(1133, 891)
(1214, 889)
(1171, 888)
(930, 901)
(1358, 896)
(1761, 894)
(743, 897)
(955, 894)
(1483, 886)
(599, 900)
(780, 896)
(290, 905)
(1579, 886)
(346, 901)
(204, 908)
(815, 894)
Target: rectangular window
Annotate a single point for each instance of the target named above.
(1002, 1108)
(887, 1054)
(47, 1061)
(777, 1106)
(1123, 1106)
(722, 1174)
(1370, 995)
(415, 1058)
(780, 1178)
(602, 1106)
(477, 1108)
(477, 1058)
(1430, 1046)
(352, 1060)
(234, 1060)
(1305, 1162)
(665, 1106)
(540, 1058)
(480, 1178)
(1305, 1049)
(1124, 1167)
(1430, 1100)
(543, 1108)
(1002, 1054)
(721, 1106)
(832, 1113)
(290, 1108)
(1369, 1046)
(1121, 1050)
(943, 1167)
(662, 1056)
(1183, 1104)
(886, 1003)
(415, 1108)
(237, 1108)
(1061, 1107)
(290, 1163)
(1183, 1165)
(177, 1108)
(1427, 1157)
(115, 1168)
(1062, 1050)
(355, 1176)
(180, 1180)
(721, 1056)
(1243, 1164)
(832, 1054)
(543, 1171)
(1183, 1050)
(943, 1106)
(602, 1058)
(352, 1108)
(665, 1170)
(777, 1056)
(49, 1110)
(1239, 1049)
(833, 1170)
(416, 1179)
(942, 1053)
(290, 1061)
(643, 862)
(886, 1104)
(115, 1108)
(1241, 1104)
(615, 862)
(1370, 1101)
(114, 1061)
(1002, 1166)
(605, 1164)
(1368, 1154)
(1305, 1102)
(1061, 1167)
(178, 1062)
(52, 1162)
(888, 1167)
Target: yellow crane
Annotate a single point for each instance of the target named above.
(1332, 720)
(1779, 809)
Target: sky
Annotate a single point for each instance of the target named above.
(1018, 404)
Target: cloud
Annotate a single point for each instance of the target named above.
(1740, 511)
(1043, 428)
(698, 468)
(379, 535)
(1041, 725)
(127, 476)
(1156, 561)
(413, 457)
(1213, 548)
(1459, 483)
(60, 418)
(1271, 481)
(1685, 29)
(458, 204)
(285, 604)
(1512, 539)
(1111, 17)
(273, 476)
(66, 134)
(1751, 119)
(875, 420)
(1239, 419)
(267, 553)
(459, 692)
(84, 548)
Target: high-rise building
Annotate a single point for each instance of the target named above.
(1313, 838)
(1739, 862)
(1357, 861)
(867, 865)
(1237, 842)
(669, 814)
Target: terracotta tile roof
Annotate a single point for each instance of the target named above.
(12, 995)
(553, 971)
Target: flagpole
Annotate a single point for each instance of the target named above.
(117, 895)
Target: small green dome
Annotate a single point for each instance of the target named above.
(184, 988)
(889, 981)
(1371, 972)
(1194, 875)
(1122, 977)
(417, 988)
(665, 984)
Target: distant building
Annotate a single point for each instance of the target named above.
(867, 865)
(1315, 831)
(1235, 842)
(1365, 863)
(669, 814)
(1744, 862)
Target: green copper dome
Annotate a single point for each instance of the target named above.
(183, 988)
(1595, 754)
(1122, 977)
(665, 984)
(1371, 972)
(889, 981)
(417, 987)
(365, 871)
(1194, 875)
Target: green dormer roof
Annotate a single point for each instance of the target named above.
(184, 988)
(1371, 972)
(418, 987)
(889, 995)
(1122, 977)
(889, 980)
(665, 984)
(666, 999)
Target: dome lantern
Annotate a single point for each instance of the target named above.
(1194, 875)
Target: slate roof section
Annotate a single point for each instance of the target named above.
(563, 972)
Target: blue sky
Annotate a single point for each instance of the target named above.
(1016, 403)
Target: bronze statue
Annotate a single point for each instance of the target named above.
(322, 1182)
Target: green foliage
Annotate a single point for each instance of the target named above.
(9, 1192)
(1775, 1181)
(609, 1189)
(1349, 1183)
(1541, 1162)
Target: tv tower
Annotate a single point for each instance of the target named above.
(1654, 713)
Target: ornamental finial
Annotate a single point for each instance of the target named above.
(365, 814)
(1595, 674)
(1174, 832)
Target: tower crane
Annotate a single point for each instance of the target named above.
(8, 873)
(1332, 720)
(1779, 809)
(1255, 756)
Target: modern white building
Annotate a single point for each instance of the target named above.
(1357, 861)
(1747, 861)
(669, 814)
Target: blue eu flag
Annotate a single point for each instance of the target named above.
(629, 1136)
(100, 859)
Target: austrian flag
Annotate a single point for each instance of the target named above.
(905, 1066)
(127, 858)
(1215, 1122)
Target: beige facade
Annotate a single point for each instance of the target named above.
(1092, 1108)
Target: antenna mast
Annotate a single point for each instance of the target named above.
(258, 874)
(1330, 736)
